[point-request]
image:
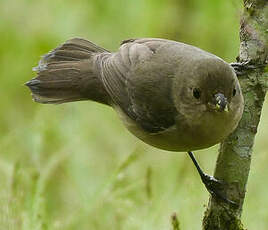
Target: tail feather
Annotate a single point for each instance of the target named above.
(67, 74)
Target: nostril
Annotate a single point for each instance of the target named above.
(196, 93)
(234, 92)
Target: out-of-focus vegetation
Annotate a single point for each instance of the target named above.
(75, 166)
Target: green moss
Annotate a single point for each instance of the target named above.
(221, 219)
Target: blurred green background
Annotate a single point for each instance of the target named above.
(75, 166)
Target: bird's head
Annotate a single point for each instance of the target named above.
(211, 89)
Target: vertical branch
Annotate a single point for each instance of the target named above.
(233, 163)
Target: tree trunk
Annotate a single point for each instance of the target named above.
(233, 163)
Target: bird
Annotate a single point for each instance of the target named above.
(171, 95)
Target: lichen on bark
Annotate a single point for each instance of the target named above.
(233, 163)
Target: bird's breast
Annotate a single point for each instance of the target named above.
(182, 136)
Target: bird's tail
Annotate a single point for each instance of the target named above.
(68, 73)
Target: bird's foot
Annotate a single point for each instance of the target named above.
(215, 188)
(242, 67)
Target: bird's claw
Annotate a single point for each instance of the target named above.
(241, 67)
(214, 187)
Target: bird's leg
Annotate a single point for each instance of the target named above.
(242, 67)
(212, 184)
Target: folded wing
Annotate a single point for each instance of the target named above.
(140, 84)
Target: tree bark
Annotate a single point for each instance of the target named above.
(233, 163)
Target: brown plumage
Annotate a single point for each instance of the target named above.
(170, 95)
(67, 74)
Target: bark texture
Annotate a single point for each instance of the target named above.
(233, 163)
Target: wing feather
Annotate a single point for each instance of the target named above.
(137, 85)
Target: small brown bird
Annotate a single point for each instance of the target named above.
(171, 95)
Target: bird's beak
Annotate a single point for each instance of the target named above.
(221, 102)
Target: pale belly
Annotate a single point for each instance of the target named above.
(185, 138)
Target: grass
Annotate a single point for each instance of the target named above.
(75, 166)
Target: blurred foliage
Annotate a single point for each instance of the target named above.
(75, 166)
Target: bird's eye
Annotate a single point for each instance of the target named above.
(196, 93)
(234, 92)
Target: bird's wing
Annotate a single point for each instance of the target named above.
(137, 82)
